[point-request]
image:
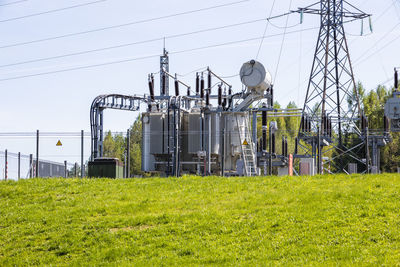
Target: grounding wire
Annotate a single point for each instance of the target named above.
(265, 30)
(122, 25)
(147, 57)
(131, 43)
(52, 11)
(13, 3)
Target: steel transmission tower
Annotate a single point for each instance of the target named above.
(327, 114)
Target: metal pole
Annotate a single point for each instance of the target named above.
(367, 149)
(5, 165)
(128, 154)
(319, 151)
(270, 150)
(30, 165)
(37, 153)
(82, 163)
(76, 169)
(65, 169)
(19, 165)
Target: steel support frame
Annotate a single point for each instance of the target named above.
(331, 85)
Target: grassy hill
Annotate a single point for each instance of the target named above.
(197, 221)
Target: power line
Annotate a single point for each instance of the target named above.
(265, 30)
(122, 25)
(13, 3)
(283, 41)
(148, 57)
(132, 43)
(52, 11)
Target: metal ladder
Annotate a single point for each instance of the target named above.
(248, 153)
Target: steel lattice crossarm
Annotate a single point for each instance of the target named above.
(323, 8)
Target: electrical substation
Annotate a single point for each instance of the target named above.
(211, 128)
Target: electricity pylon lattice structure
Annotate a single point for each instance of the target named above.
(331, 83)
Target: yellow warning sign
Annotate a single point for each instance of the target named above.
(59, 143)
(245, 142)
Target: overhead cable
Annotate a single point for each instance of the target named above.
(121, 25)
(13, 3)
(131, 43)
(265, 29)
(149, 56)
(52, 11)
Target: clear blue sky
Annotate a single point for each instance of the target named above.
(61, 101)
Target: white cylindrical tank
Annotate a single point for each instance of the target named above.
(255, 76)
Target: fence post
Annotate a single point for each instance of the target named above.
(30, 165)
(128, 154)
(19, 165)
(82, 163)
(5, 165)
(65, 169)
(37, 153)
(76, 169)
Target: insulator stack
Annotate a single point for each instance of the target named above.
(364, 122)
(386, 124)
(188, 91)
(151, 87)
(296, 146)
(283, 145)
(209, 82)
(176, 87)
(302, 123)
(330, 127)
(149, 107)
(207, 98)
(163, 80)
(230, 97)
(202, 87)
(264, 128)
(224, 99)
(219, 95)
(286, 147)
(396, 80)
(273, 142)
(197, 84)
(272, 97)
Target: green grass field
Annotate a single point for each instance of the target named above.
(325, 220)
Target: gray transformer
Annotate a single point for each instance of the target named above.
(208, 141)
